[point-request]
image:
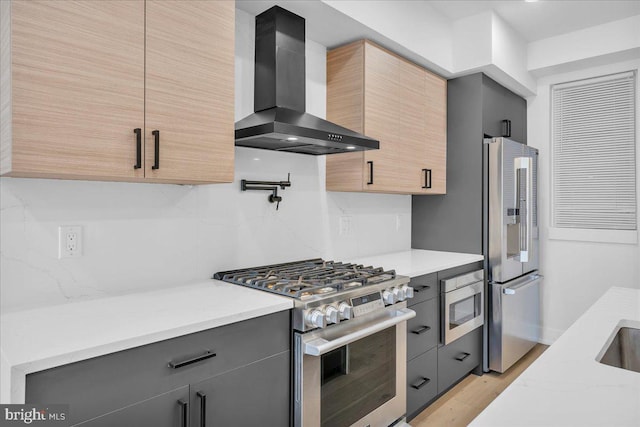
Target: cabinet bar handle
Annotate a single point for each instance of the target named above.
(421, 330)
(421, 288)
(506, 128)
(176, 365)
(138, 133)
(185, 412)
(462, 356)
(427, 178)
(203, 408)
(370, 163)
(421, 383)
(156, 156)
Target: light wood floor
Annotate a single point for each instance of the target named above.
(460, 405)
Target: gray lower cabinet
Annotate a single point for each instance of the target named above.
(422, 381)
(122, 386)
(432, 368)
(423, 330)
(255, 395)
(423, 335)
(457, 359)
(166, 410)
(424, 287)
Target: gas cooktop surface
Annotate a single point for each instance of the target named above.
(307, 278)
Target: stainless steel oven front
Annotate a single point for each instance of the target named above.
(353, 373)
(463, 305)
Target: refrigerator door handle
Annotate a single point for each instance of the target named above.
(522, 286)
(525, 163)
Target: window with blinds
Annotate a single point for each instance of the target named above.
(594, 158)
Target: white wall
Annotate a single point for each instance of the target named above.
(472, 37)
(576, 273)
(415, 25)
(585, 47)
(142, 236)
(486, 43)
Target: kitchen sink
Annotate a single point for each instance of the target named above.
(624, 349)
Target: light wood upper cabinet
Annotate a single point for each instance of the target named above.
(190, 90)
(72, 88)
(375, 92)
(435, 150)
(79, 76)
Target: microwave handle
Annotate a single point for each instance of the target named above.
(320, 346)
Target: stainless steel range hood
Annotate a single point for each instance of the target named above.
(280, 122)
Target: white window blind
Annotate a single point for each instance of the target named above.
(594, 159)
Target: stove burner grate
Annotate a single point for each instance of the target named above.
(303, 279)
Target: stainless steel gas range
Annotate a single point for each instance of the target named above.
(349, 339)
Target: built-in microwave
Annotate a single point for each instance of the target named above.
(462, 305)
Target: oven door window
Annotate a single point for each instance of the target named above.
(462, 311)
(358, 378)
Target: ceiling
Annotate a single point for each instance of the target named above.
(542, 19)
(533, 20)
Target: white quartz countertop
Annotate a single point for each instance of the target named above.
(567, 386)
(38, 339)
(416, 262)
(33, 340)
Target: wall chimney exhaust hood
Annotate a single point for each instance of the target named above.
(280, 122)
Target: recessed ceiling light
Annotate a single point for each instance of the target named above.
(530, 1)
(291, 138)
(350, 147)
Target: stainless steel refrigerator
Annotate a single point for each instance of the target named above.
(512, 238)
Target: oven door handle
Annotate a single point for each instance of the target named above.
(320, 346)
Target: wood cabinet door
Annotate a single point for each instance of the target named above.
(414, 132)
(166, 410)
(433, 155)
(254, 395)
(190, 90)
(77, 88)
(375, 92)
(394, 114)
(345, 107)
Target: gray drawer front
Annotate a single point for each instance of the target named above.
(96, 386)
(425, 287)
(450, 369)
(423, 366)
(419, 338)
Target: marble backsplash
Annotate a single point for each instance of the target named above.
(143, 236)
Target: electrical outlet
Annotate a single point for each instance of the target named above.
(346, 225)
(69, 241)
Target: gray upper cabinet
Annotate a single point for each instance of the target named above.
(498, 104)
(476, 106)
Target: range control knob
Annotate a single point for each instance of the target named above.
(332, 315)
(346, 311)
(400, 294)
(315, 318)
(389, 297)
(408, 291)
